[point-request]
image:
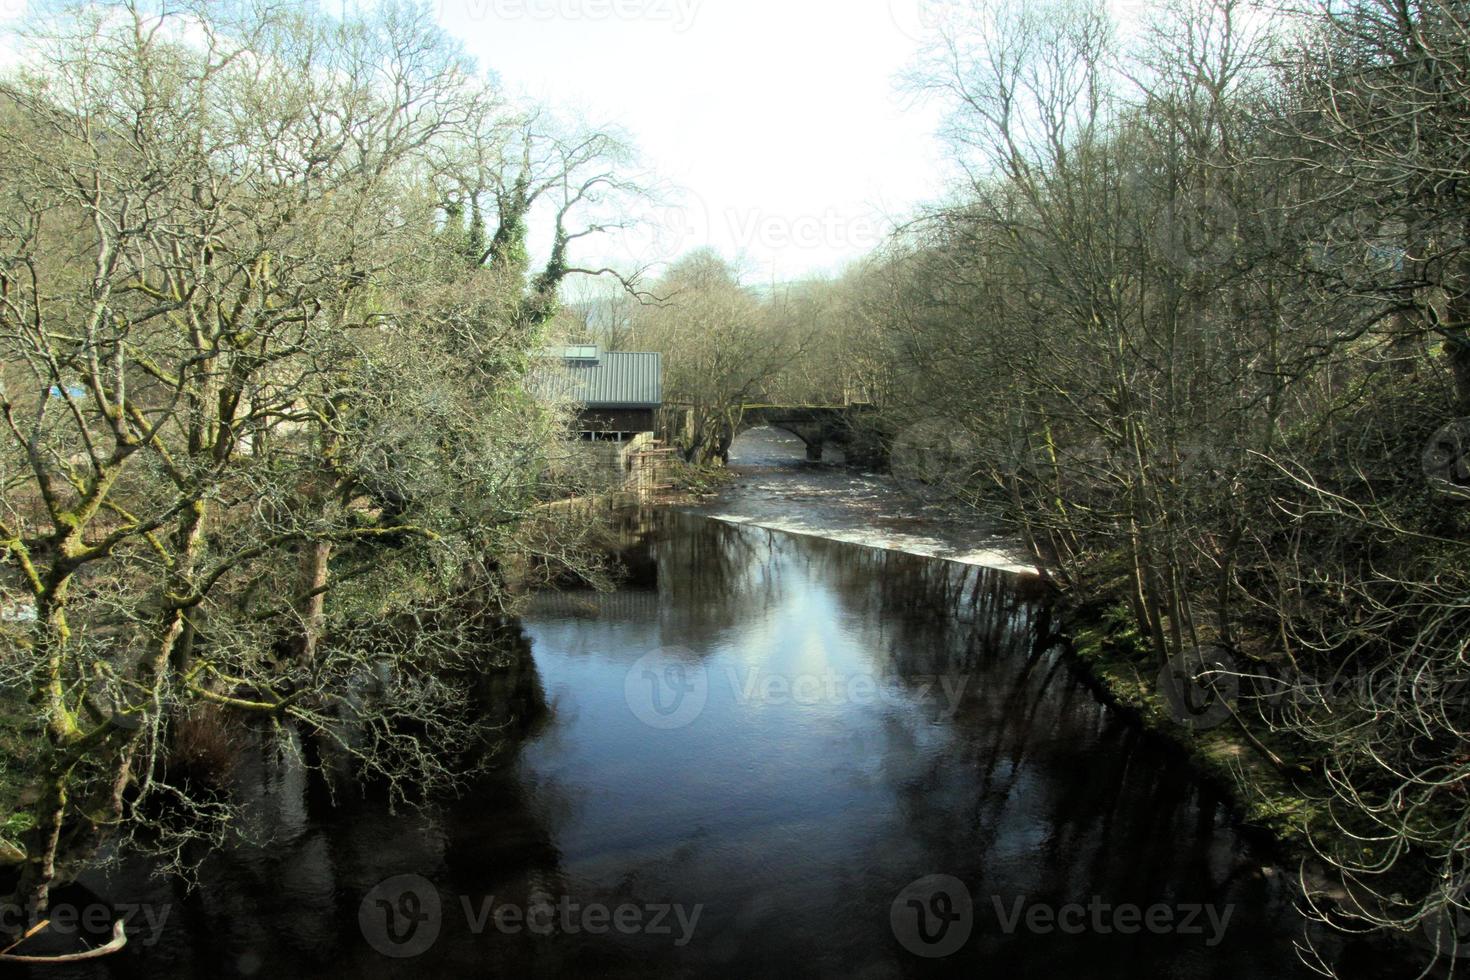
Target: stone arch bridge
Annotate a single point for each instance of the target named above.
(814, 425)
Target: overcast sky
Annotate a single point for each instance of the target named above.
(779, 119)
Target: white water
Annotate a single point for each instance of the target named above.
(776, 488)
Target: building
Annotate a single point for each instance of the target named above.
(617, 397)
(618, 393)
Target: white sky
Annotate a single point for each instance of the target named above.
(779, 123)
(780, 120)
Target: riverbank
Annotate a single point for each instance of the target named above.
(772, 487)
(1273, 786)
(1266, 796)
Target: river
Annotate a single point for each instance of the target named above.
(767, 754)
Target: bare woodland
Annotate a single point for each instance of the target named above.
(1194, 322)
(1199, 311)
(269, 451)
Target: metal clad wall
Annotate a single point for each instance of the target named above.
(617, 379)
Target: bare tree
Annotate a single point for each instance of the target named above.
(1197, 314)
(254, 408)
(582, 178)
(721, 350)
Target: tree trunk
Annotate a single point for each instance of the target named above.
(42, 845)
(312, 587)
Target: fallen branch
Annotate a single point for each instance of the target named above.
(118, 941)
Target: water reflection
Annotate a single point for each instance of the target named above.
(867, 718)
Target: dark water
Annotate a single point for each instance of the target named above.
(741, 762)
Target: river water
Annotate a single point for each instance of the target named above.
(768, 754)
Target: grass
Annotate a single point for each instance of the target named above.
(1266, 796)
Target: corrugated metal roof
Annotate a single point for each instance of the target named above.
(615, 379)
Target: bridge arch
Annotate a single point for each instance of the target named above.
(812, 443)
(814, 425)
